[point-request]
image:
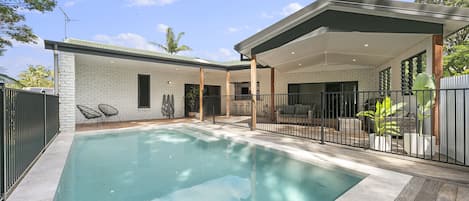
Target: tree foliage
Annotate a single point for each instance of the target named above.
(11, 20)
(171, 45)
(456, 45)
(457, 63)
(37, 76)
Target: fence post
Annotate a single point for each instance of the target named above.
(3, 140)
(45, 117)
(322, 117)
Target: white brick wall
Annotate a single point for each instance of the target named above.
(67, 91)
(100, 81)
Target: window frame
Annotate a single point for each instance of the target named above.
(242, 97)
(385, 81)
(139, 91)
(408, 68)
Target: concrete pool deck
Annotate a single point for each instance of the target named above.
(389, 177)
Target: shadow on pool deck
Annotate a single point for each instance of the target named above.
(432, 180)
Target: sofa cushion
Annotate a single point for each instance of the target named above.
(302, 109)
(288, 109)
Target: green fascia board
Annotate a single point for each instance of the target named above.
(339, 21)
(401, 10)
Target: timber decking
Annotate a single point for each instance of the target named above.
(421, 189)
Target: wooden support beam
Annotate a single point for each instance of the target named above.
(201, 94)
(253, 92)
(228, 93)
(437, 70)
(272, 94)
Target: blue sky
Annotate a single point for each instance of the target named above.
(212, 27)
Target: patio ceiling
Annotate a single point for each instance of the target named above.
(326, 51)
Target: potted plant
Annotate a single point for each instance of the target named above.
(384, 128)
(192, 96)
(420, 144)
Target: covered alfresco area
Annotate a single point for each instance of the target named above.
(334, 59)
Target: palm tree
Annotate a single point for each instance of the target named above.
(172, 43)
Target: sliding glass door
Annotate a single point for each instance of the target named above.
(340, 97)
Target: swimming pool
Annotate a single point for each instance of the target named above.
(185, 163)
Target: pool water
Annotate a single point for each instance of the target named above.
(178, 164)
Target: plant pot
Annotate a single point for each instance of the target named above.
(193, 114)
(419, 145)
(380, 143)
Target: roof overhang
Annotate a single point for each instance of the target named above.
(375, 16)
(135, 55)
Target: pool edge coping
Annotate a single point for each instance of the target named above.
(372, 187)
(42, 180)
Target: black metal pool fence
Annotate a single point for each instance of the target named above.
(28, 123)
(426, 124)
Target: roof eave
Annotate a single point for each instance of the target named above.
(83, 49)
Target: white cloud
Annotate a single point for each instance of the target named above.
(222, 54)
(150, 2)
(287, 10)
(291, 8)
(233, 29)
(237, 29)
(266, 15)
(226, 52)
(69, 3)
(162, 28)
(130, 40)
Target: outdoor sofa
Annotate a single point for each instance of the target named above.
(294, 114)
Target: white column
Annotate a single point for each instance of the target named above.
(66, 85)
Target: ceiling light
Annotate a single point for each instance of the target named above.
(292, 52)
(300, 64)
(354, 60)
(366, 45)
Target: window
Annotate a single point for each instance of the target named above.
(385, 80)
(143, 91)
(243, 90)
(409, 70)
